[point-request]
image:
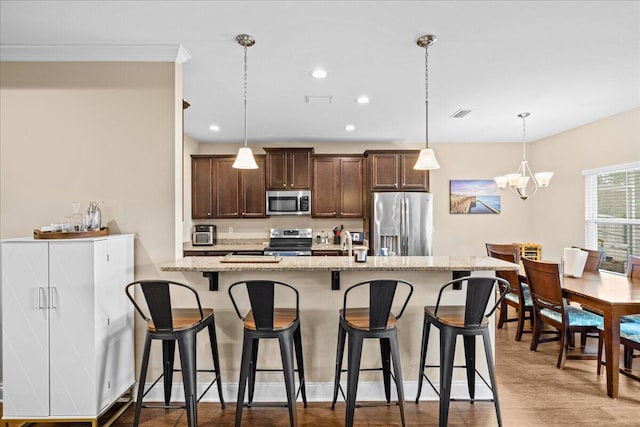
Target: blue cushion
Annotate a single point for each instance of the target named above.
(577, 317)
(630, 331)
(527, 296)
(632, 318)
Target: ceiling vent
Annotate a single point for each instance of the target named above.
(318, 99)
(460, 114)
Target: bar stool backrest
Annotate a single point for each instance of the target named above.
(544, 283)
(262, 299)
(382, 294)
(633, 267)
(157, 294)
(479, 290)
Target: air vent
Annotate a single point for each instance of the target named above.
(318, 99)
(460, 114)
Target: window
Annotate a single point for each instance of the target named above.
(612, 213)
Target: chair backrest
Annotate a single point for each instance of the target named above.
(594, 258)
(509, 253)
(157, 294)
(633, 267)
(262, 299)
(479, 290)
(382, 294)
(544, 282)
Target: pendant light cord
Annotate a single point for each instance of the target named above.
(426, 94)
(245, 94)
(523, 134)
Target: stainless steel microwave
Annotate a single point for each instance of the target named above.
(289, 202)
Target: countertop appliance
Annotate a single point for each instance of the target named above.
(289, 202)
(289, 242)
(203, 235)
(402, 222)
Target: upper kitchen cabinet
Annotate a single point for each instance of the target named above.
(220, 191)
(393, 171)
(338, 187)
(288, 168)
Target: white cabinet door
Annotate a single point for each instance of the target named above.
(25, 329)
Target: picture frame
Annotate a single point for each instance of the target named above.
(474, 196)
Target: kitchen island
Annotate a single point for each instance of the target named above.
(319, 306)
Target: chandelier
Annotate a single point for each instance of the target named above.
(523, 183)
(244, 159)
(427, 158)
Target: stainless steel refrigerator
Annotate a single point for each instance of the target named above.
(402, 223)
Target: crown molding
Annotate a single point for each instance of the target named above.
(95, 53)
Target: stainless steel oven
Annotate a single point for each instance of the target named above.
(289, 202)
(289, 242)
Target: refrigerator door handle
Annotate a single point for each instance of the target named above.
(405, 219)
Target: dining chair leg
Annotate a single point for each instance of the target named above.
(447, 354)
(486, 338)
(286, 353)
(142, 380)
(385, 353)
(503, 314)
(297, 341)
(565, 336)
(521, 320)
(168, 356)
(245, 367)
(397, 372)
(339, 354)
(426, 326)
(252, 370)
(216, 361)
(537, 326)
(353, 372)
(187, 348)
(470, 361)
(600, 342)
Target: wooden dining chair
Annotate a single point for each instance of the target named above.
(630, 335)
(551, 308)
(594, 258)
(518, 296)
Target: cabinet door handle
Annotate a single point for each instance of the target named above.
(40, 293)
(52, 293)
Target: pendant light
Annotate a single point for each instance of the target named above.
(427, 158)
(523, 182)
(244, 159)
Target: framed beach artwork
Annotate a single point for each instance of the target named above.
(474, 196)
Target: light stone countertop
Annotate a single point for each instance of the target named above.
(247, 245)
(321, 263)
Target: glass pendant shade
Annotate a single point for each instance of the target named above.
(245, 160)
(427, 160)
(543, 178)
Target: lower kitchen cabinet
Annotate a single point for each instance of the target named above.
(68, 349)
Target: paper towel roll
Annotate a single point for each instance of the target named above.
(573, 261)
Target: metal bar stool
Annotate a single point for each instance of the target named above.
(173, 325)
(374, 321)
(264, 320)
(468, 320)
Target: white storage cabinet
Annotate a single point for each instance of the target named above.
(68, 347)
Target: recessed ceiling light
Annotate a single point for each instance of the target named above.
(460, 113)
(319, 73)
(349, 128)
(364, 99)
(214, 128)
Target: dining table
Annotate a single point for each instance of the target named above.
(614, 296)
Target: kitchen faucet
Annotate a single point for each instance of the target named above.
(347, 242)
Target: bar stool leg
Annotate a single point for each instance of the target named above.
(487, 349)
(216, 360)
(470, 360)
(297, 339)
(447, 353)
(385, 354)
(253, 368)
(143, 378)
(247, 344)
(187, 347)
(426, 327)
(286, 351)
(168, 356)
(397, 371)
(353, 372)
(339, 354)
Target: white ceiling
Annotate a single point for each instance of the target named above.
(566, 62)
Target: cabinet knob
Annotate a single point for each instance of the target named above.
(334, 212)
(284, 185)
(208, 213)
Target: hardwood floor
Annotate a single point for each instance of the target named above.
(532, 393)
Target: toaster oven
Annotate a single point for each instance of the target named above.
(203, 235)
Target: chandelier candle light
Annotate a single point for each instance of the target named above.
(244, 159)
(427, 159)
(523, 183)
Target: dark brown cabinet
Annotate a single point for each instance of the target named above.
(393, 171)
(338, 187)
(220, 191)
(288, 168)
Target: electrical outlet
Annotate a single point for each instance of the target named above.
(230, 230)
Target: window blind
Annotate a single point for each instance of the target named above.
(612, 213)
